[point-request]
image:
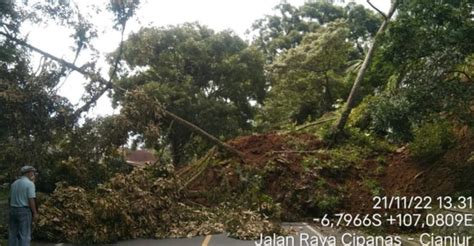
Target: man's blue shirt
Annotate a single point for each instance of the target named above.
(21, 190)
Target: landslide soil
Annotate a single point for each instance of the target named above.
(279, 160)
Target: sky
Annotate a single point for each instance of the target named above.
(237, 15)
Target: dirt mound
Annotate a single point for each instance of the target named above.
(259, 149)
(276, 169)
(266, 152)
(308, 179)
(449, 175)
(402, 175)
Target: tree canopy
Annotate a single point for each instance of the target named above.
(208, 78)
(275, 34)
(309, 79)
(425, 63)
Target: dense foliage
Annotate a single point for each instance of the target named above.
(307, 80)
(275, 34)
(431, 140)
(425, 64)
(205, 77)
(37, 125)
(32, 115)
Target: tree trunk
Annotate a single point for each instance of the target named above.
(203, 133)
(340, 124)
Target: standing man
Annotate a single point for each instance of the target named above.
(22, 208)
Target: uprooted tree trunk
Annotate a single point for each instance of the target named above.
(204, 134)
(108, 84)
(340, 124)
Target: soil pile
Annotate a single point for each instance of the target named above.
(451, 174)
(308, 179)
(279, 169)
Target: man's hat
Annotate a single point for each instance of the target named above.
(26, 169)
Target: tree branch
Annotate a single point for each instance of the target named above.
(92, 76)
(314, 123)
(108, 84)
(204, 134)
(378, 10)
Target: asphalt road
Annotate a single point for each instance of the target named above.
(304, 235)
(216, 240)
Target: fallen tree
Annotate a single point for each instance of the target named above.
(146, 203)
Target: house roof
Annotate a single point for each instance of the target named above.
(138, 157)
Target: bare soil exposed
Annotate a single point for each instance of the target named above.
(279, 160)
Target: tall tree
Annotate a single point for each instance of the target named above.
(35, 122)
(308, 79)
(32, 115)
(340, 124)
(275, 34)
(205, 77)
(426, 57)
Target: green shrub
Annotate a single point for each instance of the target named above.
(373, 186)
(328, 202)
(360, 115)
(391, 117)
(431, 140)
(368, 140)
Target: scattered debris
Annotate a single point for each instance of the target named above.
(145, 203)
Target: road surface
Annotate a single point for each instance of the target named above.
(221, 239)
(302, 231)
